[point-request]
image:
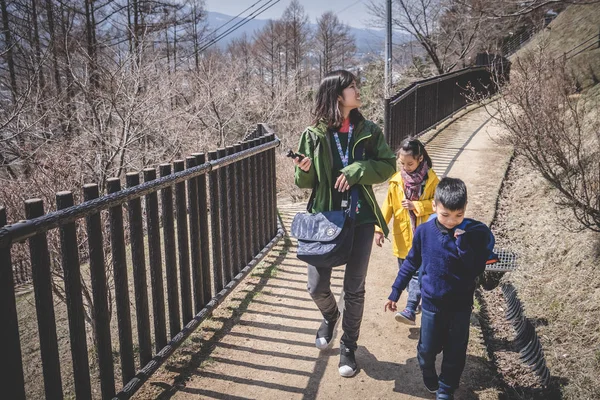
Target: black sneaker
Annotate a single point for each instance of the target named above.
(347, 366)
(444, 396)
(325, 333)
(431, 384)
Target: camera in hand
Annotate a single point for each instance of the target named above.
(291, 154)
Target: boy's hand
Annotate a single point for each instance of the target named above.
(458, 232)
(390, 305)
(379, 238)
(407, 204)
(304, 165)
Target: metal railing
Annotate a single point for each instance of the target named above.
(426, 103)
(205, 222)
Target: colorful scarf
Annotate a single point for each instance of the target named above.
(412, 187)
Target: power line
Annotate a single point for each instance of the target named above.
(351, 5)
(232, 29)
(241, 23)
(232, 18)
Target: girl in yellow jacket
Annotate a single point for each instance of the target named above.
(409, 201)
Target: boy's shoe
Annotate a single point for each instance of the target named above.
(347, 366)
(431, 384)
(444, 396)
(325, 333)
(406, 316)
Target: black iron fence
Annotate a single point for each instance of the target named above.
(194, 233)
(426, 103)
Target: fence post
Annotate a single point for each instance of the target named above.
(415, 119)
(183, 248)
(240, 210)
(224, 211)
(75, 310)
(155, 258)
(204, 234)
(246, 190)
(195, 264)
(257, 199)
(119, 261)
(100, 296)
(166, 199)
(215, 225)
(136, 236)
(44, 304)
(264, 205)
(12, 380)
(232, 220)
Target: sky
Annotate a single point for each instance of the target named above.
(350, 12)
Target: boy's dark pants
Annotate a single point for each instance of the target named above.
(446, 331)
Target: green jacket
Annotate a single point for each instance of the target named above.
(378, 166)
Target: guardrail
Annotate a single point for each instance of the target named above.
(201, 228)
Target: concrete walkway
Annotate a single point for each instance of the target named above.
(269, 353)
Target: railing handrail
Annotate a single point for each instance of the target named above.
(25, 229)
(428, 81)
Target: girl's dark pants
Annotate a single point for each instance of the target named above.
(446, 331)
(319, 286)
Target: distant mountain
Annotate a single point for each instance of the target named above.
(367, 40)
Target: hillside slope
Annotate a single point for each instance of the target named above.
(557, 280)
(575, 30)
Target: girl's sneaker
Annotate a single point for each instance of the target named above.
(406, 316)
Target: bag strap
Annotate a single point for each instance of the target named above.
(353, 191)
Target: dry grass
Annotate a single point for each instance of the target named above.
(557, 279)
(573, 26)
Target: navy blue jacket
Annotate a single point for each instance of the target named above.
(449, 266)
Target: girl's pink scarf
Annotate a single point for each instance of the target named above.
(412, 187)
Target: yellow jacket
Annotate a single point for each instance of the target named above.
(392, 206)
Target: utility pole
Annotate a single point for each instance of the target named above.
(387, 90)
(388, 50)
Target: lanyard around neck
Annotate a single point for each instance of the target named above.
(344, 157)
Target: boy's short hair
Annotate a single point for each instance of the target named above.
(451, 193)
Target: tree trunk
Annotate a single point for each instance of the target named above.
(9, 54)
(50, 13)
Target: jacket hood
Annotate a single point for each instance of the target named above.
(471, 226)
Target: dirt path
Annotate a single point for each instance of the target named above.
(268, 352)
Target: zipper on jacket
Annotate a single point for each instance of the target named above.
(365, 190)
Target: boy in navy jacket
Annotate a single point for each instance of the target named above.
(451, 252)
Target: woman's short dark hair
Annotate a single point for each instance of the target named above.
(413, 146)
(327, 104)
(451, 193)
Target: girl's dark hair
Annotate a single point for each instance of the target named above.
(327, 105)
(415, 148)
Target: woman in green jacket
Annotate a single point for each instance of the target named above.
(329, 147)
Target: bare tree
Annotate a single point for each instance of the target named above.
(557, 131)
(297, 33)
(335, 45)
(446, 29)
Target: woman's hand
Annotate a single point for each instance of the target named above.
(390, 305)
(304, 165)
(408, 204)
(379, 238)
(341, 184)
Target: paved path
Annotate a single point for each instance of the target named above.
(269, 352)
